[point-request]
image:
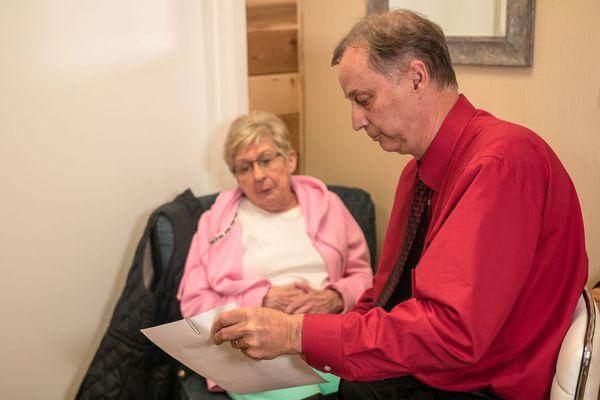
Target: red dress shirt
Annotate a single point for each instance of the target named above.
(503, 266)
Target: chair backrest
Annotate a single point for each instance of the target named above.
(577, 373)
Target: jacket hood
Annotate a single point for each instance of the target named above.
(312, 195)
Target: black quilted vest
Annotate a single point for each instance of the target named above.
(127, 365)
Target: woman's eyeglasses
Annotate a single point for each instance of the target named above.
(265, 161)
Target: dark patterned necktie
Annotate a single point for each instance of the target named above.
(415, 215)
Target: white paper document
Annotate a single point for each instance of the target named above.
(228, 367)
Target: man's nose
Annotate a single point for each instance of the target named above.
(359, 120)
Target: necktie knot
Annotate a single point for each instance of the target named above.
(421, 189)
(420, 198)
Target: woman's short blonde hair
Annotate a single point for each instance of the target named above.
(252, 128)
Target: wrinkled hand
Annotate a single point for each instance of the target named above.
(261, 333)
(280, 297)
(315, 301)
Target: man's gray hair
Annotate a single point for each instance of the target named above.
(394, 38)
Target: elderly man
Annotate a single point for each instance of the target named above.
(484, 256)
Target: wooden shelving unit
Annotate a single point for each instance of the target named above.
(273, 62)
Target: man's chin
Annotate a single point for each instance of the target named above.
(391, 147)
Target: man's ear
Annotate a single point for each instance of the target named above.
(418, 75)
(416, 79)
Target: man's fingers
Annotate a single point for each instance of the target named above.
(256, 354)
(227, 318)
(238, 343)
(263, 334)
(251, 354)
(227, 334)
(228, 325)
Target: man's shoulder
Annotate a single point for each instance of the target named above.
(488, 136)
(490, 143)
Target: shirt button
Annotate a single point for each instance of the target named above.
(327, 368)
(181, 373)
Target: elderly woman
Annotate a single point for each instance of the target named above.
(277, 240)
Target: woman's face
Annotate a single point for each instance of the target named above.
(263, 174)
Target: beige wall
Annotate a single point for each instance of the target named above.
(559, 98)
(103, 117)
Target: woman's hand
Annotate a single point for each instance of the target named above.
(280, 297)
(314, 301)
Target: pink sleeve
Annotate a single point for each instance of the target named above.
(196, 294)
(357, 272)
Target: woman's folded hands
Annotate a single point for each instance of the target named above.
(300, 298)
(280, 297)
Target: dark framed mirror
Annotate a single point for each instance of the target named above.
(507, 40)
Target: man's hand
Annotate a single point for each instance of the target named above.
(315, 301)
(261, 333)
(280, 297)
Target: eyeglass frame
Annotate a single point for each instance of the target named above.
(257, 161)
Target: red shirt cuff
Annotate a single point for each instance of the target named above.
(322, 342)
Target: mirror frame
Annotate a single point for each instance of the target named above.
(515, 48)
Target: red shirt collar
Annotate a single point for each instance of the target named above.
(434, 164)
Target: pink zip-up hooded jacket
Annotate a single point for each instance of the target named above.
(214, 273)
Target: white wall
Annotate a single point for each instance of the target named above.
(107, 109)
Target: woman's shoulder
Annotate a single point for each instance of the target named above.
(308, 183)
(221, 211)
(226, 200)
